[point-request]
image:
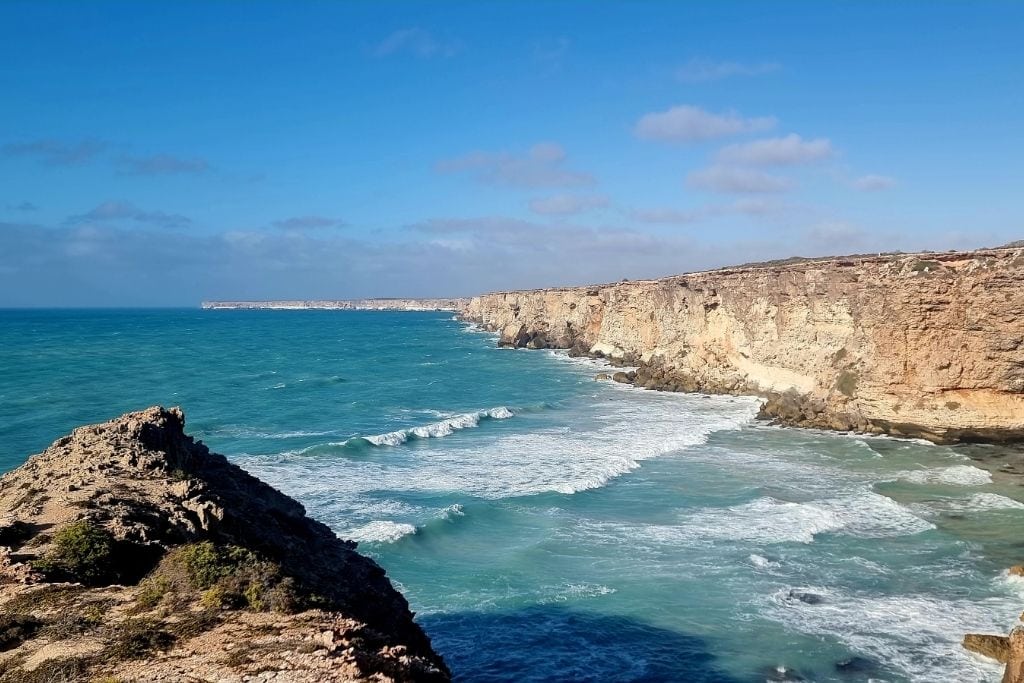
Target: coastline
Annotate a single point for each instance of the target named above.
(916, 345)
(377, 304)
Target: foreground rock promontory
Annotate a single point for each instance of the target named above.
(926, 345)
(130, 552)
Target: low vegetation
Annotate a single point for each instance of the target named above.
(226, 577)
(81, 552)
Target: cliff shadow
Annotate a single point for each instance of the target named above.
(554, 643)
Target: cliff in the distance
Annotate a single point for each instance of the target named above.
(130, 552)
(928, 345)
(343, 304)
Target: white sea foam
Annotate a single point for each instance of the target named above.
(762, 562)
(986, 501)
(574, 591)
(602, 440)
(767, 520)
(917, 635)
(438, 429)
(378, 531)
(1011, 583)
(957, 475)
(453, 511)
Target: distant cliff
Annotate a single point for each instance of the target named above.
(348, 304)
(928, 345)
(129, 552)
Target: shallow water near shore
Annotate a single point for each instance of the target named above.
(545, 526)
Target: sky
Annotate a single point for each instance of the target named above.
(165, 153)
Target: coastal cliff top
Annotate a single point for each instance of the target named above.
(910, 264)
(129, 550)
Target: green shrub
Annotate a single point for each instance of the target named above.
(152, 592)
(213, 598)
(82, 552)
(229, 577)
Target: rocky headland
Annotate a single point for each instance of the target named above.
(926, 345)
(129, 552)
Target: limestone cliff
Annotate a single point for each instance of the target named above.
(130, 552)
(929, 345)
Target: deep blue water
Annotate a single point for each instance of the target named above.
(546, 526)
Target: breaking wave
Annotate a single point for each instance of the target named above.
(379, 531)
(435, 429)
(957, 475)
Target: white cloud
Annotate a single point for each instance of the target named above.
(418, 42)
(783, 151)
(874, 183)
(703, 70)
(734, 179)
(542, 166)
(687, 123)
(567, 204)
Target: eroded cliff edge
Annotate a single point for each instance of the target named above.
(130, 552)
(927, 345)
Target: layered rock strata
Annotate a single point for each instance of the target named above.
(926, 345)
(130, 551)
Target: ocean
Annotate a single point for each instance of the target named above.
(546, 526)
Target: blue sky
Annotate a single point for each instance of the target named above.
(163, 153)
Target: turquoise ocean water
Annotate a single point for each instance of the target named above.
(545, 526)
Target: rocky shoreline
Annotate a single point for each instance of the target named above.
(925, 345)
(130, 552)
(707, 332)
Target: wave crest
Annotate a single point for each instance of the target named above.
(436, 429)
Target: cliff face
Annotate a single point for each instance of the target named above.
(929, 345)
(129, 550)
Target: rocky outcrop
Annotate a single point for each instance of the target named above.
(1015, 657)
(995, 647)
(129, 550)
(927, 345)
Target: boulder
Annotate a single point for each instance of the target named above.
(996, 647)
